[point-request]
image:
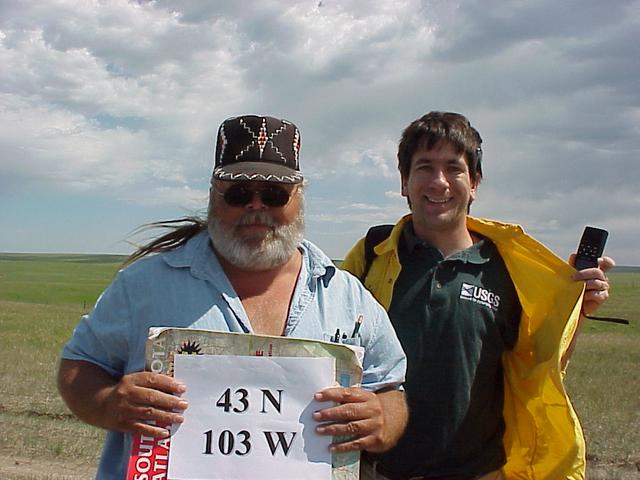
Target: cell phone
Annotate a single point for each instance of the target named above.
(591, 247)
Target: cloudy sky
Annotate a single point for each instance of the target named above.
(109, 109)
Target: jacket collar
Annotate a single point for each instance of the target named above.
(390, 244)
(497, 232)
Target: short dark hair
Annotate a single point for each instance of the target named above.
(428, 130)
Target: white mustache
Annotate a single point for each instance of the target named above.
(257, 218)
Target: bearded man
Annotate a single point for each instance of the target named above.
(245, 269)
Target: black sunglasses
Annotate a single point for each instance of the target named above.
(240, 194)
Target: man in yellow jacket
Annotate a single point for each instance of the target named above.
(487, 317)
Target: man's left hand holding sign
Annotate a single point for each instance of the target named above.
(374, 420)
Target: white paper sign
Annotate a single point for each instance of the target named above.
(250, 417)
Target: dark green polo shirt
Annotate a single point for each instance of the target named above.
(454, 317)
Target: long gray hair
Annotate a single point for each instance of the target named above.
(180, 231)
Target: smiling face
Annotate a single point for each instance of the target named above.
(439, 189)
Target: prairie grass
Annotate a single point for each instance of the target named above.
(56, 279)
(41, 300)
(604, 384)
(36, 423)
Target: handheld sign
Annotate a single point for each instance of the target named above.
(250, 417)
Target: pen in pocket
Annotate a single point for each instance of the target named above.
(336, 337)
(356, 327)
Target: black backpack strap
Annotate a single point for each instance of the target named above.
(375, 235)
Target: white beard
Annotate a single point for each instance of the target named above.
(275, 249)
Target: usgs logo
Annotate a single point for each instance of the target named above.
(480, 296)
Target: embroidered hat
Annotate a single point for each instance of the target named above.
(258, 148)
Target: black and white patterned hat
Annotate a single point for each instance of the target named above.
(258, 148)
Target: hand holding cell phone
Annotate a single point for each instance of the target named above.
(591, 247)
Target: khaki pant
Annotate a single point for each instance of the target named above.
(367, 472)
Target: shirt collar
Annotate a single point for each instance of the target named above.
(411, 240)
(476, 253)
(320, 265)
(198, 256)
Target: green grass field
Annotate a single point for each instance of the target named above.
(43, 296)
(55, 279)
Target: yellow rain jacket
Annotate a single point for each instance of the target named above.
(543, 438)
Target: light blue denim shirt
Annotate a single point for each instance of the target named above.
(186, 287)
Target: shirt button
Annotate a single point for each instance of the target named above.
(438, 285)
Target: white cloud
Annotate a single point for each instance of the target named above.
(121, 100)
(393, 194)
